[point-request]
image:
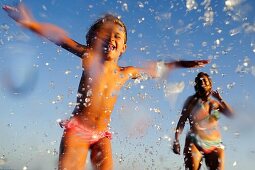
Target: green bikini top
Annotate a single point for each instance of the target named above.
(214, 112)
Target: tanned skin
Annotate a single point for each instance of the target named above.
(206, 129)
(102, 76)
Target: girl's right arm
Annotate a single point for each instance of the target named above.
(181, 123)
(49, 31)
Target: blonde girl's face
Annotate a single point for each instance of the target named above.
(110, 40)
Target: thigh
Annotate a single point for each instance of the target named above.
(101, 154)
(73, 152)
(215, 159)
(192, 156)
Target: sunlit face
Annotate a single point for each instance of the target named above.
(110, 40)
(204, 86)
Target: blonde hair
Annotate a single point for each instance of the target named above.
(106, 18)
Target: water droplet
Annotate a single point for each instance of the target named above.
(140, 4)
(87, 100)
(59, 50)
(54, 152)
(4, 27)
(217, 42)
(67, 72)
(191, 4)
(231, 85)
(225, 128)
(234, 164)
(214, 69)
(234, 32)
(124, 7)
(204, 44)
(3, 160)
(44, 7)
(89, 93)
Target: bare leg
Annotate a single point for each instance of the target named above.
(192, 157)
(73, 152)
(101, 155)
(215, 159)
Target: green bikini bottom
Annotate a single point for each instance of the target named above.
(205, 145)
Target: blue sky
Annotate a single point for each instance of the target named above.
(45, 79)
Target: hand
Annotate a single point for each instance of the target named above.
(193, 63)
(20, 14)
(216, 95)
(176, 147)
(199, 63)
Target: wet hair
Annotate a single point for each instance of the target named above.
(198, 80)
(91, 34)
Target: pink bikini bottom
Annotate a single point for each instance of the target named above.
(88, 134)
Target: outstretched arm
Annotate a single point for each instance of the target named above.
(157, 69)
(187, 64)
(55, 34)
(223, 106)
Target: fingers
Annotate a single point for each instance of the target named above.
(201, 63)
(216, 92)
(20, 13)
(13, 12)
(6, 7)
(9, 8)
(205, 61)
(176, 148)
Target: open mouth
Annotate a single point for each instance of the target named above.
(109, 47)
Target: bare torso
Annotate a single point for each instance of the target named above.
(203, 120)
(97, 93)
